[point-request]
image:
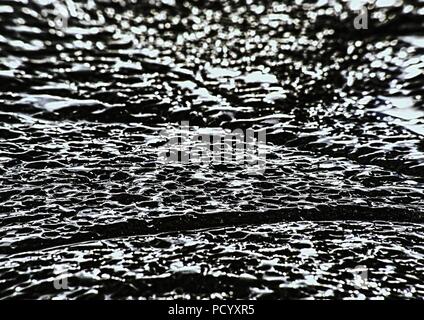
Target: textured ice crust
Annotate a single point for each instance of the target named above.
(286, 260)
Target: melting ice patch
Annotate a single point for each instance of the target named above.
(400, 102)
(416, 128)
(405, 113)
(216, 73)
(259, 77)
(417, 41)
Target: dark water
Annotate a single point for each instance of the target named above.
(84, 196)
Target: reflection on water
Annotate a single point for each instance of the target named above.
(86, 87)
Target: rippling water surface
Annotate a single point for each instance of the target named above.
(87, 86)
